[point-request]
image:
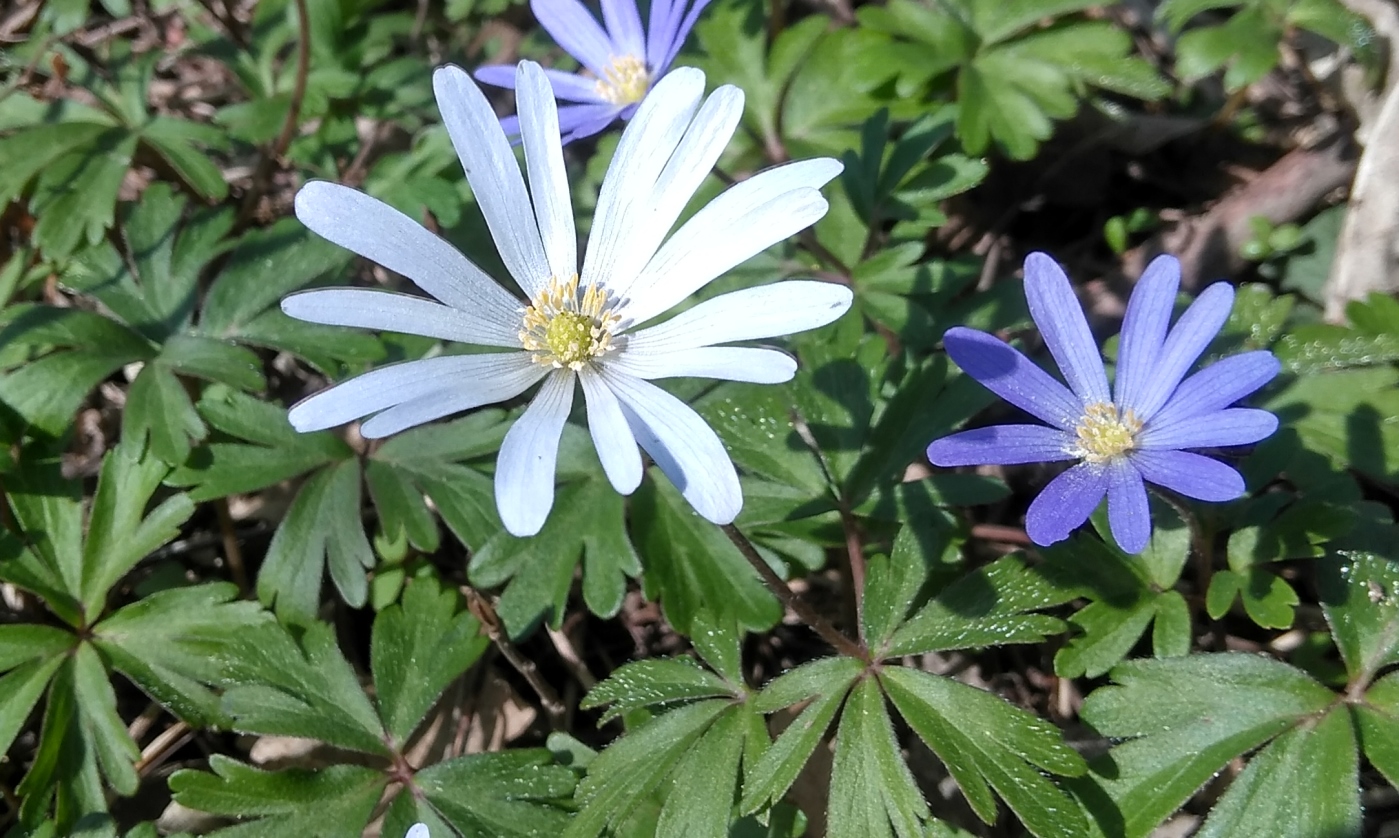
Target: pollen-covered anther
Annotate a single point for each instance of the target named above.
(564, 327)
(1104, 433)
(624, 81)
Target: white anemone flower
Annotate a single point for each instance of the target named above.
(577, 327)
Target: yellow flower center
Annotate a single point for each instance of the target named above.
(624, 81)
(1104, 434)
(564, 327)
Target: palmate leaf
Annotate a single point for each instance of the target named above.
(324, 529)
(72, 160)
(51, 358)
(991, 606)
(1187, 717)
(165, 643)
(986, 743)
(638, 763)
(588, 525)
(872, 792)
(417, 649)
(693, 753)
(280, 684)
(327, 803)
(1128, 593)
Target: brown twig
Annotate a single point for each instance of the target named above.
(490, 620)
(232, 552)
(161, 747)
(563, 644)
(262, 175)
(1001, 533)
(789, 598)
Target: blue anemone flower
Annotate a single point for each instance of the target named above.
(625, 61)
(1138, 432)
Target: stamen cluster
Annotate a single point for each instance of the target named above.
(1103, 433)
(568, 328)
(624, 81)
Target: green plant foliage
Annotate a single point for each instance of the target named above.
(1127, 593)
(875, 647)
(70, 160)
(162, 643)
(283, 684)
(1186, 717)
(323, 529)
(1012, 76)
(1246, 44)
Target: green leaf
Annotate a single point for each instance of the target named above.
(815, 678)
(871, 787)
(1186, 719)
(588, 524)
(517, 793)
(285, 688)
(1108, 633)
(416, 650)
(1360, 597)
(322, 530)
(32, 656)
(46, 392)
(654, 683)
(891, 585)
(274, 451)
(158, 408)
(702, 795)
(635, 765)
(988, 607)
(172, 139)
(692, 567)
(103, 729)
(74, 196)
(1377, 722)
(49, 511)
(119, 532)
(296, 803)
(168, 644)
(985, 741)
(773, 774)
(1309, 776)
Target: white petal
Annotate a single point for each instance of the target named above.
(378, 232)
(730, 363)
(418, 830)
(686, 449)
(363, 308)
(493, 173)
(548, 182)
(742, 222)
(765, 311)
(612, 437)
(692, 162)
(505, 377)
(524, 473)
(647, 143)
(397, 384)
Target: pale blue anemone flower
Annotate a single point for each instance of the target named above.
(1139, 433)
(587, 327)
(625, 61)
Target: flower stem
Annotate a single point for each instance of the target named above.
(856, 551)
(789, 598)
